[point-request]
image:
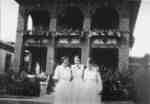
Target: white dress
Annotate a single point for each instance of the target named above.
(77, 84)
(62, 88)
(93, 85)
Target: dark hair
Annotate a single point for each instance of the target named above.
(78, 56)
(91, 61)
(63, 58)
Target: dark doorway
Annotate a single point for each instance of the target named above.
(107, 57)
(107, 60)
(7, 62)
(38, 56)
(40, 19)
(70, 52)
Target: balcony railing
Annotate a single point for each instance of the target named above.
(109, 37)
(37, 33)
(107, 34)
(69, 37)
(37, 37)
(75, 37)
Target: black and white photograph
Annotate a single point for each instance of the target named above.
(74, 52)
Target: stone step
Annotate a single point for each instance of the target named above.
(119, 102)
(47, 99)
(17, 101)
(26, 102)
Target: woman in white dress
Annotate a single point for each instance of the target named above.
(62, 89)
(93, 84)
(77, 82)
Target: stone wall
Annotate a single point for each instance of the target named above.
(3, 54)
(141, 67)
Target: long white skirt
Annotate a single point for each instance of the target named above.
(91, 93)
(62, 94)
(77, 91)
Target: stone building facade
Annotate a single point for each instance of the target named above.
(102, 29)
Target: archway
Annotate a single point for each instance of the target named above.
(71, 18)
(30, 23)
(40, 19)
(105, 18)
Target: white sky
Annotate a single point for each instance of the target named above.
(8, 25)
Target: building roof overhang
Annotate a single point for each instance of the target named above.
(7, 46)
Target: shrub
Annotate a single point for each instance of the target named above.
(117, 85)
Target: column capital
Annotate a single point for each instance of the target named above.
(87, 18)
(22, 19)
(53, 11)
(52, 24)
(124, 25)
(23, 11)
(87, 24)
(87, 11)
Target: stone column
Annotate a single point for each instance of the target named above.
(51, 47)
(85, 51)
(123, 58)
(124, 47)
(21, 27)
(124, 52)
(86, 43)
(124, 27)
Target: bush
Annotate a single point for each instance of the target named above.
(117, 85)
(21, 86)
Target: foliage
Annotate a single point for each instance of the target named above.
(117, 85)
(19, 86)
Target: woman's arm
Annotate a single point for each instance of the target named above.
(99, 81)
(83, 73)
(56, 73)
(71, 71)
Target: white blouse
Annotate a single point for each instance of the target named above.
(77, 71)
(94, 76)
(62, 73)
